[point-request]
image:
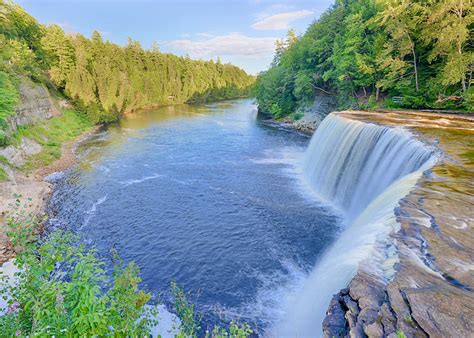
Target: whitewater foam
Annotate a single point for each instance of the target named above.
(93, 209)
(140, 180)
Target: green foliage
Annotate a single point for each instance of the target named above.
(400, 334)
(191, 321)
(62, 289)
(104, 79)
(51, 134)
(108, 80)
(3, 175)
(8, 99)
(235, 331)
(297, 115)
(4, 160)
(469, 98)
(360, 49)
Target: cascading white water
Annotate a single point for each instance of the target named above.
(349, 163)
(364, 169)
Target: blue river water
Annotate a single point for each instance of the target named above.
(206, 195)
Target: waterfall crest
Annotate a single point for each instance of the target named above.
(349, 163)
(364, 170)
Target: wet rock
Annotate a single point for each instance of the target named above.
(335, 325)
(374, 330)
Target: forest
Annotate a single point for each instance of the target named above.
(371, 54)
(104, 79)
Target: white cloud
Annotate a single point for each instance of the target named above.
(281, 20)
(232, 44)
(272, 10)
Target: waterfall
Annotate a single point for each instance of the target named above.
(363, 169)
(349, 163)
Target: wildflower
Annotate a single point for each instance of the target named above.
(13, 308)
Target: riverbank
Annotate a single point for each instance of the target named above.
(32, 189)
(428, 290)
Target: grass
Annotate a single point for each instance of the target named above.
(51, 134)
(4, 160)
(3, 174)
(9, 97)
(400, 334)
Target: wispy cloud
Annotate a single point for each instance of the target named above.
(281, 21)
(232, 44)
(274, 9)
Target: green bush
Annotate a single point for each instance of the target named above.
(469, 99)
(63, 290)
(414, 101)
(191, 321)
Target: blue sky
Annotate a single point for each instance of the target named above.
(242, 32)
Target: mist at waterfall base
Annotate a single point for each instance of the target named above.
(205, 195)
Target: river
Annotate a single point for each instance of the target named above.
(206, 195)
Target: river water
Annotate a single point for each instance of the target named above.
(206, 195)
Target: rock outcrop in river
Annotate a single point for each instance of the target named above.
(430, 291)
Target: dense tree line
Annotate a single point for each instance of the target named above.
(405, 53)
(105, 79)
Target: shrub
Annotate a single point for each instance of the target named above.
(191, 321)
(469, 99)
(63, 290)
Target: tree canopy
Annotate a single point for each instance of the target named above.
(106, 79)
(406, 53)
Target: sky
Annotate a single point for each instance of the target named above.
(241, 32)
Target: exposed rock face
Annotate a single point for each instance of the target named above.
(17, 155)
(432, 290)
(313, 114)
(35, 105)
